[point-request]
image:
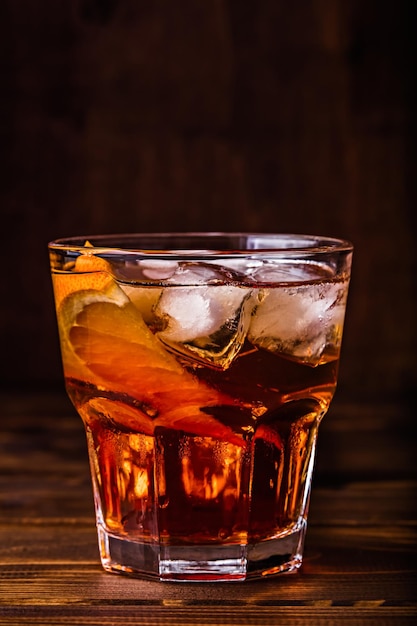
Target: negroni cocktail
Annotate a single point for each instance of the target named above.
(201, 367)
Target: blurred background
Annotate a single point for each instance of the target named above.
(141, 115)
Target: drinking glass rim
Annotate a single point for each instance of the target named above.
(257, 243)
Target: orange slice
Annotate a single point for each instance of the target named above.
(190, 419)
(90, 272)
(268, 434)
(118, 413)
(105, 342)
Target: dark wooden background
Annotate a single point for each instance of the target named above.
(140, 115)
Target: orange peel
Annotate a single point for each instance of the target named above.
(106, 343)
(90, 273)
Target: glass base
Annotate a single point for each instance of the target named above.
(202, 563)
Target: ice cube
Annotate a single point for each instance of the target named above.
(240, 268)
(144, 299)
(300, 321)
(200, 273)
(289, 271)
(205, 317)
(158, 269)
(141, 282)
(143, 271)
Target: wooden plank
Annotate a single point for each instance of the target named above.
(87, 584)
(369, 614)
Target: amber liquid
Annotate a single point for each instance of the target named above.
(176, 487)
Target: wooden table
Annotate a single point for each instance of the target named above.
(360, 559)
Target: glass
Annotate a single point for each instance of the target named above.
(201, 365)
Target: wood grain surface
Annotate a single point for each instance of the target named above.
(360, 556)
